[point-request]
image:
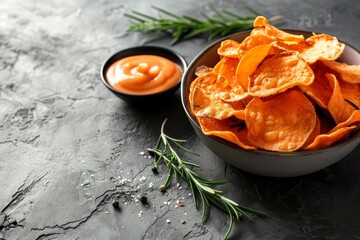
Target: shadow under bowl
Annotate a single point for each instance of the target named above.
(144, 99)
(262, 162)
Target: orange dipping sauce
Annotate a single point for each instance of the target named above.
(143, 74)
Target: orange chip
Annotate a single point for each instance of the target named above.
(217, 67)
(260, 21)
(348, 73)
(249, 62)
(320, 90)
(325, 140)
(259, 31)
(204, 100)
(272, 31)
(226, 85)
(253, 41)
(279, 73)
(339, 109)
(350, 92)
(317, 47)
(232, 130)
(229, 48)
(280, 124)
(201, 70)
(354, 119)
(316, 132)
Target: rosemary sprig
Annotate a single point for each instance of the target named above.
(185, 27)
(164, 152)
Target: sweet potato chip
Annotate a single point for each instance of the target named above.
(320, 90)
(201, 70)
(316, 132)
(339, 109)
(272, 31)
(229, 48)
(279, 73)
(249, 62)
(317, 47)
(260, 31)
(204, 100)
(325, 140)
(350, 92)
(217, 67)
(348, 73)
(354, 119)
(231, 130)
(260, 21)
(253, 41)
(282, 124)
(227, 85)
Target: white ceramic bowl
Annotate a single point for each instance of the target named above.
(266, 163)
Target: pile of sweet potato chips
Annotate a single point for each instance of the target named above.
(278, 91)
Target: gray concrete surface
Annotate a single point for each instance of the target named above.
(68, 147)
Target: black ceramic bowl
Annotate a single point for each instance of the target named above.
(144, 50)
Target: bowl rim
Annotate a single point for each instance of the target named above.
(259, 152)
(157, 50)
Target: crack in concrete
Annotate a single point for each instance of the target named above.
(196, 231)
(106, 196)
(19, 195)
(84, 98)
(44, 236)
(156, 220)
(9, 141)
(141, 171)
(8, 224)
(32, 140)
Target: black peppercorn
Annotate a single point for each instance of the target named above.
(155, 170)
(143, 199)
(116, 205)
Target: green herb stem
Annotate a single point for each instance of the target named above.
(186, 27)
(165, 153)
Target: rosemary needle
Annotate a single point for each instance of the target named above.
(186, 27)
(164, 152)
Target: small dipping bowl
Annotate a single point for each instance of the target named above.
(144, 50)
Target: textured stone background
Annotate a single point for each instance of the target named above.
(68, 147)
